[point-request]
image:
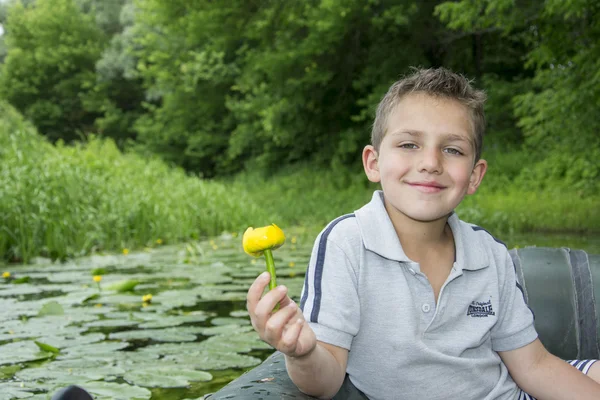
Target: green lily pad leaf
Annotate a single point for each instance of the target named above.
(116, 391)
(159, 335)
(99, 271)
(8, 371)
(19, 290)
(46, 347)
(121, 299)
(34, 327)
(13, 390)
(173, 320)
(166, 377)
(52, 377)
(112, 323)
(21, 280)
(213, 361)
(239, 313)
(225, 330)
(229, 321)
(94, 348)
(51, 308)
(18, 352)
(74, 340)
(123, 286)
(91, 297)
(59, 375)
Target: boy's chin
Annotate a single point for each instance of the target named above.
(428, 216)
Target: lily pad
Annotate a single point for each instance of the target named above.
(225, 330)
(159, 335)
(112, 323)
(229, 321)
(164, 377)
(116, 391)
(123, 286)
(14, 390)
(75, 340)
(46, 347)
(18, 352)
(213, 361)
(94, 348)
(51, 308)
(173, 320)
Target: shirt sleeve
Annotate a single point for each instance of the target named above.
(329, 299)
(515, 326)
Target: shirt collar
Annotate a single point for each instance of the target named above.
(379, 236)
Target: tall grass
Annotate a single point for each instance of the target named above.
(305, 196)
(62, 201)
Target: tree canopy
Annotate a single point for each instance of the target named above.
(217, 87)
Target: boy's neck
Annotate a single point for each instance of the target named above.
(418, 238)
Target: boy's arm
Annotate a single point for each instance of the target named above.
(547, 377)
(321, 372)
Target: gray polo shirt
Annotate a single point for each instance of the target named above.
(364, 294)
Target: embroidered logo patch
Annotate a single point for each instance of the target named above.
(479, 309)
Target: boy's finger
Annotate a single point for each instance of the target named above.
(256, 290)
(276, 324)
(291, 335)
(265, 306)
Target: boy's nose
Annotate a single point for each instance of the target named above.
(430, 161)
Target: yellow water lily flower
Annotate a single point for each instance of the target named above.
(125, 251)
(6, 275)
(262, 241)
(97, 278)
(147, 298)
(256, 241)
(159, 241)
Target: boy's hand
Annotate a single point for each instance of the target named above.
(285, 329)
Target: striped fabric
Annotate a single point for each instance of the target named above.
(582, 365)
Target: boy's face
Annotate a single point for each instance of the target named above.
(426, 160)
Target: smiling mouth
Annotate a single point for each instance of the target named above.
(427, 187)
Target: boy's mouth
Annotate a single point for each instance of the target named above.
(427, 186)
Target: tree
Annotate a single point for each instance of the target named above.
(49, 69)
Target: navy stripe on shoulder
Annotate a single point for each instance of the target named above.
(478, 228)
(314, 316)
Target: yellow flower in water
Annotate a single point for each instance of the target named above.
(159, 241)
(256, 241)
(97, 278)
(98, 305)
(6, 274)
(147, 298)
(125, 251)
(144, 304)
(214, 247)
(292, 264)
(294, 240)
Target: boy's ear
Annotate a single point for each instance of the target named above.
(477, 175)
(370, 163)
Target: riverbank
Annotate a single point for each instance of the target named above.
(62, 201)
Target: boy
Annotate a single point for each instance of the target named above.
(404, 297)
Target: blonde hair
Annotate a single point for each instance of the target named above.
(437, 82)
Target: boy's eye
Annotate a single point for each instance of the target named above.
(408, 146)
(453, 151)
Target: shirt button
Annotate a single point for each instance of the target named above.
(412, 271)
(425, 307)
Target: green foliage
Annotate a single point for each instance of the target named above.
(61, 201)
(556, 109)
(48, 72)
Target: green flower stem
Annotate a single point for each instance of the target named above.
(270, 268)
